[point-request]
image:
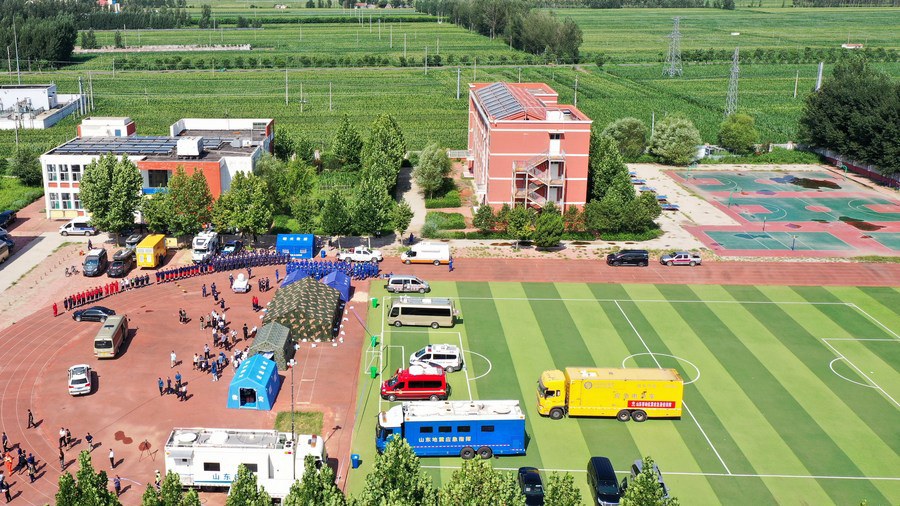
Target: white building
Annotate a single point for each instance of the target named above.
(219, 148)
(34, 106)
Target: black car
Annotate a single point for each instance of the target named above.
(232, 247)
(95, 263)
(6, 238)
(531, 485)
(123, 262)
(93, 314)
(639, 257)
(7, 218)
(601, 477)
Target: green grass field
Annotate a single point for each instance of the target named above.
(641, 34)
(793, 395)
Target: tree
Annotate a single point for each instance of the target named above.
(503, 217)
(305, 209)
(645, 489)
(170, 493)
(245, 206)
(561, 491)
(156, 212)
(396, 479)
(605, 165)
(476, 482)
(737, 134)
(573, 219)
(27, 167)
(403, 215)
(191, 498)
(484, 219)
(519, 223)
(117, 40)
(67, 495)
(630, 135)
(549, 227)
(150, 497)
(245, 491)
(372, 209)
(675, 140)
(87, 488)
(434, 166)
(385, 137)
(600, 60)
(205, 16)
(190, 201)
(346, 146)
(607, 215)
(89, 40)
(857, 114)
(316, 487)
(336, 215)
(111, 192)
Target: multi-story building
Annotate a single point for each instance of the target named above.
(219, 148)
(525, 148)
(36, 106)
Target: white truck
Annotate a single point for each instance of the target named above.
(360, 254)
(209, 458)
(204, 246)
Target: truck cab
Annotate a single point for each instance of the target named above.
(204, 246)
(551, 394)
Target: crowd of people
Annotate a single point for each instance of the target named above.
(318, 269)
(99, 292)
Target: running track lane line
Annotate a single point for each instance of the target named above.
(658, 365)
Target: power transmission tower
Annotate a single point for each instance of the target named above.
(673, 59)
(731, 100)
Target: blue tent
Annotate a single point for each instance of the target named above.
(340, 282)
(294, 276)
(296, 245)
(255, 386)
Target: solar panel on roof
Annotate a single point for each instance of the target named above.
(499, 101)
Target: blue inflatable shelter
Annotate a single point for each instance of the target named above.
(340, 282)
(296, 245)
(294, 276)
(255, 385)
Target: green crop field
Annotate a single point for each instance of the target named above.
(425, 105)
(294, 10)
(793, 393)
(641, 34)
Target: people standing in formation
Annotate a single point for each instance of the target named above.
(186, 271)
(262, 284)
(100, 292)
(318, 269)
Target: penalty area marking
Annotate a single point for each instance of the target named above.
(839, 375)
(858, 370)
(686, 361)
(490, 365)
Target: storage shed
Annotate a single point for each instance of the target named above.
(255, 386)
(296, 245)
(273, 341)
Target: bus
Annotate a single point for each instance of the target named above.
(448, 428)
(422, 312)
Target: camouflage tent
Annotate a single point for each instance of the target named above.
(274, 342)
(308, 308)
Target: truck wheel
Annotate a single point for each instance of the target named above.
(434, 398)
(623, 416)
(639, 416)
(407, 262)
(437, 262)
(398, 323)
(556, 414)
(670, 263)
(467, 453)
(392, 397)
(435, 325)
(485, 452)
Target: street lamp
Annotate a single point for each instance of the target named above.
(793, 242)
(291, 363)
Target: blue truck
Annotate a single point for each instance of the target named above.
(449, 428)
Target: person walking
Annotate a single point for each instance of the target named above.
(6, 492)
(222, 303)
(30, 420)
(159, 382)
(112, 458)
(55, 310)
(172, 359)
(90, 441)
(168, 385)
(117, 485)
(69, 440)
(203, 290)
(215, 371)
(183, 393)
(276, 275)
(246, 332)
(450, 265)
(157, 479)
(62, 460)
(8, 461)
(231, 279)
(5, 442)
(178, 380)
(32, 470)
(202, 323)
(62, 437)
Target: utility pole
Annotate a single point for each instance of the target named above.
(818, 79)
(438, 50)
(16, 42)
(80, 96)
(291, 364)
(404, 46)
(474, 69)
(9, 61)
(301, 98)
(575, 103)
(520, 74)
(285, 86)
(329, 95)
(426, 60)
(392, 36)
(796, 82)
(673, 59)
(457, 82)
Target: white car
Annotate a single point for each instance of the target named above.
(360, 254)
(80, 379)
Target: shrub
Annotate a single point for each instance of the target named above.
(777, 155)
(446, 221)
(451, 199)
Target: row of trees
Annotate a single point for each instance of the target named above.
(50, 38)
(857, 114)
(524, 28)
(674, 139)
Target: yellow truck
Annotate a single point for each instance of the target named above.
(627, 394)
(151, 251)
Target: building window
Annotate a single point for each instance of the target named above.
(63, 172)
(555, 137)
(54, 200)
(251, 467)
(158, 178)
(76, 173)
(66, 201)
(211, 466)
(51, 172)
(76, 200)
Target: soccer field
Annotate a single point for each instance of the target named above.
(792, 393)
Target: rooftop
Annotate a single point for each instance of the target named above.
(523, 101)
(153, 148)
(227, 438)
(631, 373)
(462, 409)
(26, 86)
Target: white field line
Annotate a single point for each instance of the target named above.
(885, 327)
(729, 475)
(381, 348)
(686, 408)
(465, 366)
(861, 373)
(887, 340)
(673, 301)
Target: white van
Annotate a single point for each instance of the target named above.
(427, 253)
(447, 356)
(78, 226)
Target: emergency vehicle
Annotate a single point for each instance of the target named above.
(419, 382)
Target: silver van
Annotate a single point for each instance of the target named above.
(111, 336)
(78, 226)
(400, 284)
(421, 312)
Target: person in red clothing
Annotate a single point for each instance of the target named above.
(55, 310)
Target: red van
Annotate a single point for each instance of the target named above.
(417, 383)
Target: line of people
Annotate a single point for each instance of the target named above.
(186, 271)
(102, 291)
(318, 269)
(245, 259)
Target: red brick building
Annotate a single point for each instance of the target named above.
(525, 148)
